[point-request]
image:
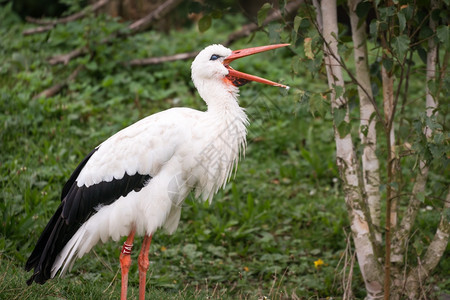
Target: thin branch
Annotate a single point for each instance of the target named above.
(135, 28)
(155, 15)
(161, 59)
(39, 29)
(405, 92)
(160, 12)
(348, 71)
(50, 24)
(143, 24)
(397, 94)
(65, 58)
(245, 31)
(276, 15)
(59, 86)
(409, 217)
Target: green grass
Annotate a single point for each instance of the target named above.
(82, 287)
(260, 236)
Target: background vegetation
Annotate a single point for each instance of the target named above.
(279, 229)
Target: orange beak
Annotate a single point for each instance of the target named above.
(239, 78)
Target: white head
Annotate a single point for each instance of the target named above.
(208, 65)
(213, 76)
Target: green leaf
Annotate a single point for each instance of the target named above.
(373, 28)
(400, 44)
(275, 33)
(388, 63)
(317, 104)
(443, 34)
(344, 129)
(425, 32)
(92, 66)
(217, 14)
(437, 150)
(408, 11)
(420, 196)
(262, 13)
(401, 21)
(386, 12)
(431, 121)
(351, 93)
(339, 116)
(339, 90)
(204, 23)
(364, 130)
(297, 21)
(422, 54)
(363, 9)
(107, 81)
(296, 61)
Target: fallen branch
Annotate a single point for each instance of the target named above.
(49, 24)
(135, 27)
(161, 59)
(39, 29)
(143, 24)
(155, 15)
(245, 31)
(59, 86)
(65, 58)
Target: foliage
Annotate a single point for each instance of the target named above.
(260, 236)
(264, 234)
(401, 35)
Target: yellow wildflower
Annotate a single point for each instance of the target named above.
(246, 269)
(163, 248)
(318, 263)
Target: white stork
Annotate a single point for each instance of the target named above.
(134, 182)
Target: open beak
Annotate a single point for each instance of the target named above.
(239, 78)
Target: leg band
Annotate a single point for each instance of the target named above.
(126, 249)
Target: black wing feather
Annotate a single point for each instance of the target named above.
(74, 176)
(77, 205)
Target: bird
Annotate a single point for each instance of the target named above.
(135, 181)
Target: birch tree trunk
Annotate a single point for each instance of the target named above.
(367, 132)
(347, 161)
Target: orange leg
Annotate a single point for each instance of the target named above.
(143, 265)
(125, 263)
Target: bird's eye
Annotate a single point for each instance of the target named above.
(214, 57)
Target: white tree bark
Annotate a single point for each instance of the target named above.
(368, 135)
(388, 105)
(347, 161)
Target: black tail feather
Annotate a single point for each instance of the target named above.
(78, 203)
(52, 240)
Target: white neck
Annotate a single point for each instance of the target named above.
(227, 123)
(221, 97)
